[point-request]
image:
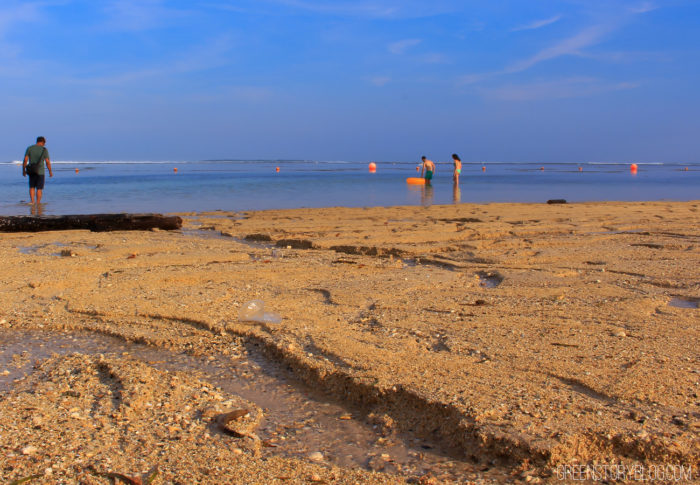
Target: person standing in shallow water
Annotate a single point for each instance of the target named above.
(458, 168)
(34, 159)
(429, 169)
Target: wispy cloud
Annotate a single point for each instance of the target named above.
(574, 45)
(434, 58)
(538, 24)
(476, 77)
(237, 93)
(574, 87)
(9, 16)
(371, 8)
(210, 55)
(569, 46)
(380, 80)
(401, 46)
(619, 57)
(643, 7)
(14, 16)
(136, 15)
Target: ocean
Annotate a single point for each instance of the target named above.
(239, 185)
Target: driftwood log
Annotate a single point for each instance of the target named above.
(92, 222)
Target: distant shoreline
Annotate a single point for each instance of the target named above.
(360, 163)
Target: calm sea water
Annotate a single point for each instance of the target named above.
(235, 185)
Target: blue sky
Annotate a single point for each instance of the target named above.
(352, 80)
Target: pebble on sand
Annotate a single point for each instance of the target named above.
(316, 456)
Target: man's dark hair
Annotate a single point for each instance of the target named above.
(40, 139)
(423, 157)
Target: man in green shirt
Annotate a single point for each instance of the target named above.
(33, 165)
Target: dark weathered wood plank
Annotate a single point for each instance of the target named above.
(92, 222)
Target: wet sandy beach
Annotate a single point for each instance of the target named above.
(468, 343)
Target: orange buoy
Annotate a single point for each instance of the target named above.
(483, 169)
(372, 167)
(415, 181)
(76, 170)
(175, 169)
(277, 169)
(633, 168)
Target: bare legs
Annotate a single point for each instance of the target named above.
(35, 195)
(39, 193)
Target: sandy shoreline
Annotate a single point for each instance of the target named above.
(507, 338)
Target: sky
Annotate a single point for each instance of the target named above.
(384, 80)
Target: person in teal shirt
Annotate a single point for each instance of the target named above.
(34, 159)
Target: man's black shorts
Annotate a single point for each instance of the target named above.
(36, 181)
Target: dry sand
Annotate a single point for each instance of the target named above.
(503, 340)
